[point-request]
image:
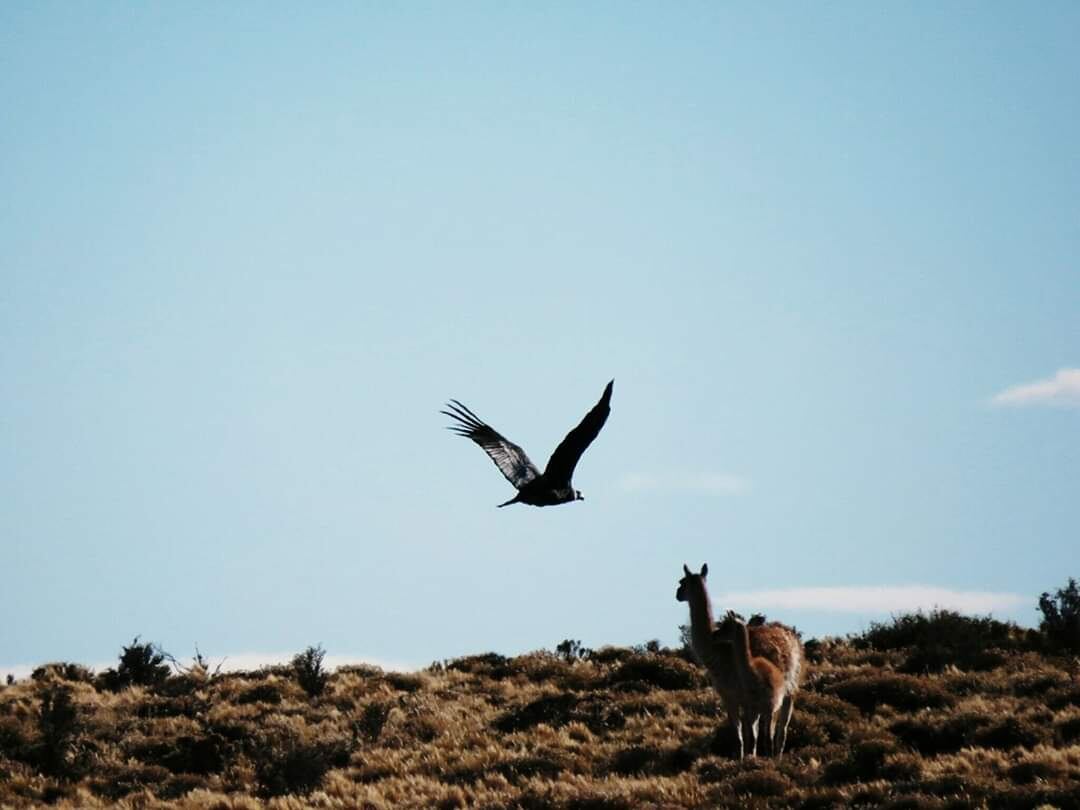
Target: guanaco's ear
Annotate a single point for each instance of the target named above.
(704, 569)
(686, 569)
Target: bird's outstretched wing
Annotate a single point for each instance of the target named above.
(508, 457)
(560, 467)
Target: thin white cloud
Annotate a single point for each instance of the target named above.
(247, 661)
(1062, 390)
(238, 662)
(709, 483)
(872, 599)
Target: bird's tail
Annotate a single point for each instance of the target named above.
(512, 500)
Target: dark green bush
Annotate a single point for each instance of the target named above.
(1061, 617)
(12, 738)
(491, 665)
(662, 672)
(58, 723)
(635, 760)
(288, 765)
(1062, 697)
(554, 710)
(260, 693)
(864, 762)
(610, 655)
(650, 647)
(1068, 731)
(372, 719)
(597, 711)
(180, 785)
(942, 637)
(140, 665)
(931, 735)
(1011, 732)
(200, 755)
(570, 650)
(405, 681)
(63, 671)
(308, 667)
(117, 783)
(760, 783)
(905, 692)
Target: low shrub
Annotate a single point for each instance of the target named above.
(554, 710)
(1068, 731)
(570, 650)
(635, 760)
(490, 665)
(610, 655)
(1061, 617)
(864, 762)
(941, 638)
(405, 681)
(931, 735)
(140, 665)
(308, 668)
(288, 764)
(1011, 732)
(62, 671)
(132, 777)
(596, 711)
(58, 723)
(905, 692)
(661, 671)
(202, 755)
(757, 783)
(267, 692)
(372, 719)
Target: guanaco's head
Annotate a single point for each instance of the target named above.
(729, 626)
(692, 585)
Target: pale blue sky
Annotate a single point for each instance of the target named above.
(247, 251)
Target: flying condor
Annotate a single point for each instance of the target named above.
(547, 488)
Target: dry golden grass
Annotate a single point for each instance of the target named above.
(622, 730)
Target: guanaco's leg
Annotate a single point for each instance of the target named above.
(780, 735)
(750, 727)
(766, 729)
(733, 722)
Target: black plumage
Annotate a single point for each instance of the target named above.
(553, 485)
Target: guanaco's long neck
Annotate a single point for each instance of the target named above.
(701, 619)
(740, 645)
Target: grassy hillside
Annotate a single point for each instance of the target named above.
(617, 728)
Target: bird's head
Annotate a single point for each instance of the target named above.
(578, 496)
(691, 583)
